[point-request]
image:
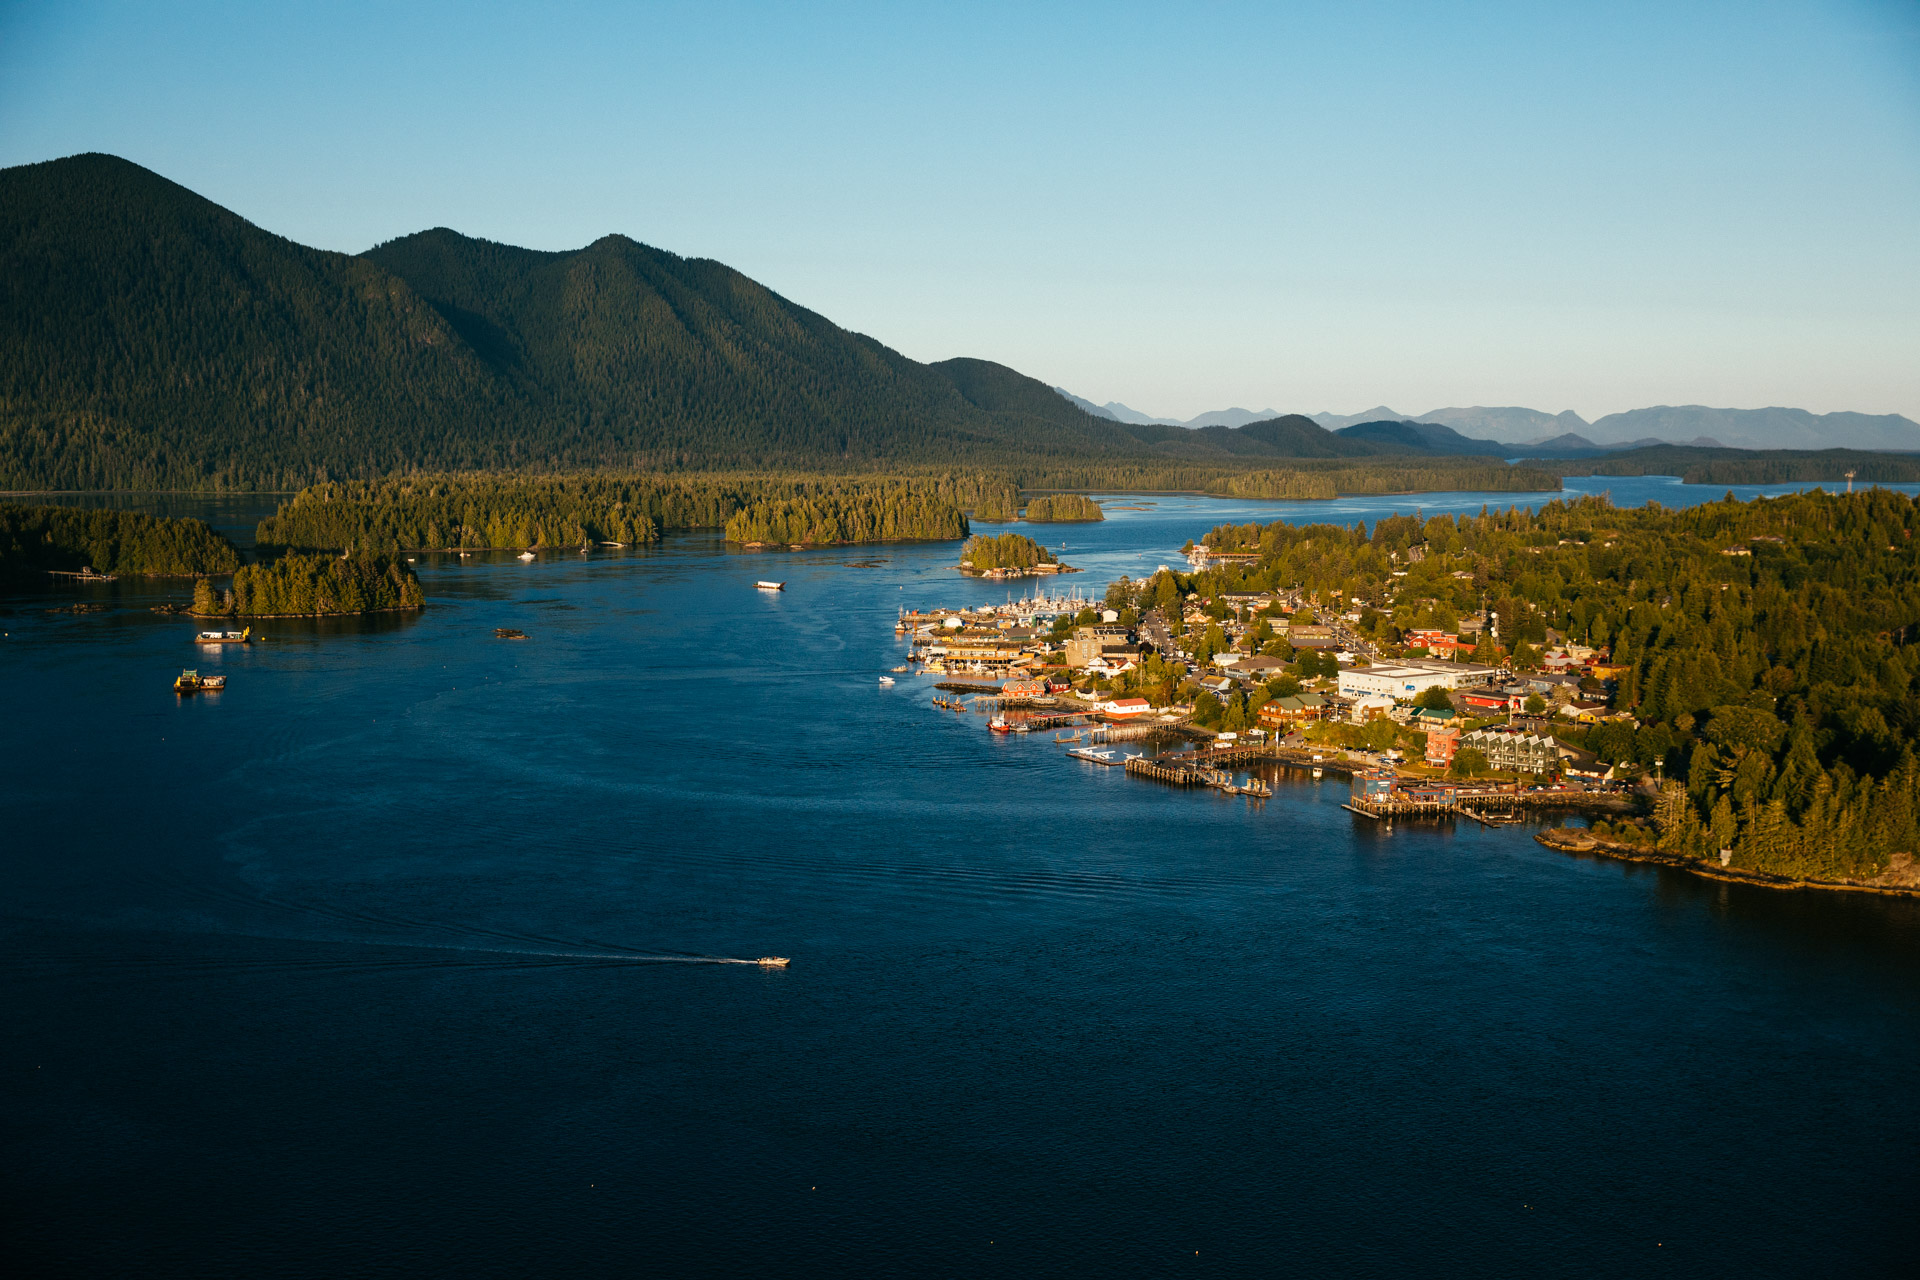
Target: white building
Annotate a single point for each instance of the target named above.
(1406, 681)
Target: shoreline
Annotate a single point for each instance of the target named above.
(1764, 879)
(343, 613)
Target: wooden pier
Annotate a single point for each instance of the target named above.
(1195, 775)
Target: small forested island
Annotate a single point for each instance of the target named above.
(311, 586)
(486, 510)
(1062, 508)
(67, 540)
(1761, 662)
(836, 518)
(1007, 555)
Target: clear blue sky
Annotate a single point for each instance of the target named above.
(1306, 207)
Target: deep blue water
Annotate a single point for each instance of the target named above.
(376, 963)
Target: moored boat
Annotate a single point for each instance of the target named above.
(1097, 755)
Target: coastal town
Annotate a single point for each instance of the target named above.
(1213, 690)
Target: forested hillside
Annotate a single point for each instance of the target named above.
(151, 339)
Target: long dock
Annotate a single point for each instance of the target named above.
(1192, 775)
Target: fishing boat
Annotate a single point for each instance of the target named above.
(886, 679)
(193, 682)
(243, 636)
(764, 585)
(773, 962)
(999, 725)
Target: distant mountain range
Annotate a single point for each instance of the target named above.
(1505, 430)
(1534, 431)
(1213, 418)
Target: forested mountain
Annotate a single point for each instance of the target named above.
(1422, 437)
(151, 339)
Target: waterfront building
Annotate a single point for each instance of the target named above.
(1515, 751)
(1441, 744)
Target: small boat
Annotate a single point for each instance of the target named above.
(526, 555)
(886, 679)
(244, 636)
(508, 633)
(999, 725)
(1097, 755)
(773, 962)
(193, 682)
(764, 585)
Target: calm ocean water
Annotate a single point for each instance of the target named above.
(381, 962)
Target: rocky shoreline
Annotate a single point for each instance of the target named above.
(1901, 879)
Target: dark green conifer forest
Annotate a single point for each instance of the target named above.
(300, 585)
(1004, 551)
(1062, 508)
(67, 539)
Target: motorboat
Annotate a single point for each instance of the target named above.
(764, 585)
(773, 962)
(526, 555)
(1098, 755)
(243, 636)
(886, 679)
